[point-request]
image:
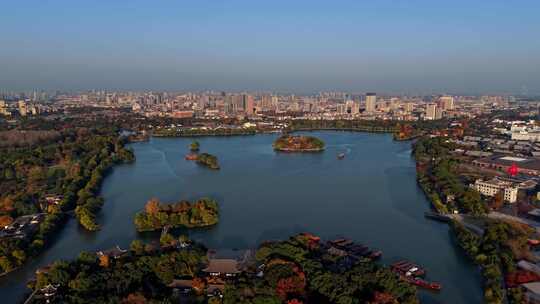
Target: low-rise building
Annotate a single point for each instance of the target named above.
(494, 186)
(526, 165)
(222, 267)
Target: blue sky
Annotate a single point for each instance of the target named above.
(480, 46)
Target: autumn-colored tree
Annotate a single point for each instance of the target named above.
(104, 261)
(54, 209)
(290, 285)
(198, 285)
(6, 204)
(181, 206)
(5, 220)
(383, 298)
(294, 301)
(36, 174)
(152, 206)
(134, 298)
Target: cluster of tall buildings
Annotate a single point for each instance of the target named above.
(212, 104)
(436, 111)
(240, 103)
(22, 107)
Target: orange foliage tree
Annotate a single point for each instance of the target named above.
(152, 206)
(290, 285)
(134, 298)
(5, 220)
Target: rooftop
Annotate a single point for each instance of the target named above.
(222, 266)
(513, 159)
(533, 287)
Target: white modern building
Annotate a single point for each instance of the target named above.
(493, 186)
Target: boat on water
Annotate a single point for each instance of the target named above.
(341, 156)
(412, 274)
(422, 283)
(191, 156)
(408, 269)
(355, 249)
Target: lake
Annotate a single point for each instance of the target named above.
(370, 196)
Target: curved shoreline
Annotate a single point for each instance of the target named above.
(300, 151)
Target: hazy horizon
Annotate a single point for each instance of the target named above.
(395, 47)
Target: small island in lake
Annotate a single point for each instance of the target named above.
(208, 160)
(301, 143)
(202, 213)
(194, 146)
(204, 159)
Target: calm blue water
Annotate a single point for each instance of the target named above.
(371, 196)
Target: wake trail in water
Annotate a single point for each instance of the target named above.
(165, 161)
(345, 148)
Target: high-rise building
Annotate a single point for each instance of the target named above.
(341, 109)
(23, 110)
(248, 105)
(438, 113)
(409, 107)
(352, 107)
(266, 102)
(3, 108)
(203, 102)
(447, 102)
(275, 103)
(371, 102)
(269, 103)
(431, 110)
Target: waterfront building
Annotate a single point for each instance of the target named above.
(494, 186)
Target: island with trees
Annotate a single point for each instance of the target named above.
(202, 213)
(298, 143)
(204, 159)
(301, 269)
(194, 146)
(208, 160)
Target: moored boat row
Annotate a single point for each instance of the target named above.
(413, 274)
(354, 249)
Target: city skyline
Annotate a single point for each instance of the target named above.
(486, 47)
